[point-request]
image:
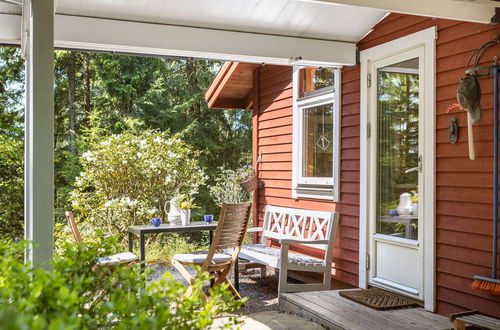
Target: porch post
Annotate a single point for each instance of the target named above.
(39, 132)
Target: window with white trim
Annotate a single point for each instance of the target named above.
(316, 129)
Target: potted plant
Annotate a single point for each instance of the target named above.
(186, 203)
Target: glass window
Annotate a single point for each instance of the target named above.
(397, 149)
(315, 79)
(315, 155)
(318, 141)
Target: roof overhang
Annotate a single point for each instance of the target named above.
(232, 87)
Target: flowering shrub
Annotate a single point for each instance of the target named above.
(128, 179)
(227, 188)
(79, 294)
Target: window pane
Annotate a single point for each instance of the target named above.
(318, 141)
(316, 78)
(397, 148)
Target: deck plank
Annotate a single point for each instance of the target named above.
(312, 306)
(356, 313)
(398, 321)
(339, 312)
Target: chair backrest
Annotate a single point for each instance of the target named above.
(232, 226)
(284, 222)
(74, 228)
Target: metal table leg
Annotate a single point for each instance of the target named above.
(130, 242)
(142, 250)
(210, 239)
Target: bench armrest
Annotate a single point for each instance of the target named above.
(303, 241)
(254, 229)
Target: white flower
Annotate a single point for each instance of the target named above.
(124, 162)
(105, 143)
(139, 154)
(158, 139)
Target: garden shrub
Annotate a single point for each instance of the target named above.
(127, 179)
(227, 188)
(78, 294)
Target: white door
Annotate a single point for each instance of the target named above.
(395, 143)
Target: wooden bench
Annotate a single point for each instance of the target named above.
(314, 229)
(474, 318)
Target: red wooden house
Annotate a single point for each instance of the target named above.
(354, 139)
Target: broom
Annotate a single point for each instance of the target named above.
(483, 283)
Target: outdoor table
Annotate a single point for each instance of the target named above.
(143, 230)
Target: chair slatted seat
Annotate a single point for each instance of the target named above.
(230, 233)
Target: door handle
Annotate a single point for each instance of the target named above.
(413, 169)
(418, 168)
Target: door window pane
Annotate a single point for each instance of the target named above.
(397, 148)
(318, 141)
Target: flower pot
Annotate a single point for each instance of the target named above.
(414, 210)
(185, 216)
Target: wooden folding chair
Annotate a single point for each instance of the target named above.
(120, 258)
(230, 233)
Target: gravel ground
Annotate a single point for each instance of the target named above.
(262, 293)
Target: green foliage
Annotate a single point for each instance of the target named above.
(79, 294)
(128, 179)
(98, 95)
(11, 143)
(227, 188)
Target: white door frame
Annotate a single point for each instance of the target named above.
(426, 39)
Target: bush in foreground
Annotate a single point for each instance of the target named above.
(79, 294)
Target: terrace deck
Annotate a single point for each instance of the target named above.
(335, 312)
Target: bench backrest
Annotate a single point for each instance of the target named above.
(284, 222)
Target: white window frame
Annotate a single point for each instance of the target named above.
(320, 188)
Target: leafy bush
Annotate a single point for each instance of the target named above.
(127, 179)
(78, 294)
(227, 188)
(11, 187)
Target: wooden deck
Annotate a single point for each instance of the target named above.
(335, 312)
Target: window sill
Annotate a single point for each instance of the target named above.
(315, 193)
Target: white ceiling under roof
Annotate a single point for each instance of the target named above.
(295, 18)
(282, 17)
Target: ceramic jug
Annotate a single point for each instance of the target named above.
(174, 214)
(405, 207)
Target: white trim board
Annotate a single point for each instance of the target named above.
(425, 38)
(464, 10)
(85, 33)
(297, 127)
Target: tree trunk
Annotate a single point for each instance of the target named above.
(71, 102)
(86, 87)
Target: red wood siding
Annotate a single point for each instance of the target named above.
(275, 144)
(464, 187)
(463, 191)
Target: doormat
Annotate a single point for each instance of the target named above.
(379, 299)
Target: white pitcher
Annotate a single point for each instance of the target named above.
(405, 207)
(174, 214)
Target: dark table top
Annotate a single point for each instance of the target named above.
(167, 227)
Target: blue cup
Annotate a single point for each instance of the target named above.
(208, 218)
(156, 222)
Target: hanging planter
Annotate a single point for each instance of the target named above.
(251, 182)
